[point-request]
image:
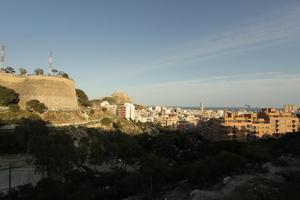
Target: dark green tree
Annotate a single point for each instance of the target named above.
(54, 154)
(36, 105)
(155, 170)
(39, 71)
(8, 96)
(63, 74)
(27, 130)
(82, 97)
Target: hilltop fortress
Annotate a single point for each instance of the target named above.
(57, 93)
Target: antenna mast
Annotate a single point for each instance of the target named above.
(50, 62)
(2, 54)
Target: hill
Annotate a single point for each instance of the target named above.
(118, 98)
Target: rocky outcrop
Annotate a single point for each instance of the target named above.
(118, 98)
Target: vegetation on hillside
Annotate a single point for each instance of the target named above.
(82, 97)
(39, 71)
(11, 117)
(22, 71)
(36, 106)
(157, 161)
(8, 96)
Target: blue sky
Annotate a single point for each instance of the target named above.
(167, 52)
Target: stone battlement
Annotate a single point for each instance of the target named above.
(57, 93)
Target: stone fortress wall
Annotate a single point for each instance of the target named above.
(57, 93)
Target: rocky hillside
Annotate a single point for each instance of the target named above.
(118, 98)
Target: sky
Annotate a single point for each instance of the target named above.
(163, 52)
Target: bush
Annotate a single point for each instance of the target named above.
(22, 71)
(36, 105)
(14, 107)
(106, 121)
(82, 97)
(8, 96)
(224, 163)
(118, 125)
(39, 71)
(54, 154)
(63, 74)
(196, 173)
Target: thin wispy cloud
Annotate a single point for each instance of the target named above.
(272, 88)
(275, 28)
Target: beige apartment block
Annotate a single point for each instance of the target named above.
(290, 108)
(268, 121)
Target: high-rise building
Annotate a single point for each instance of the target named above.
(127, 111)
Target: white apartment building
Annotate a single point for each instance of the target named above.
(129, 111)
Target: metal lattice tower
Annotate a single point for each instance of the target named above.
(50, 62)
(2, 54)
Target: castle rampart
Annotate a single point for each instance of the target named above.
(57, 93)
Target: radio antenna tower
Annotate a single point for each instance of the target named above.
(2, 54)
(50, 62)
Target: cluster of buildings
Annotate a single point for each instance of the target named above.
(267, 121)
(127, 110)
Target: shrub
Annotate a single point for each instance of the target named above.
(36, 105)
(8, 96)
(118, 125)
(65, 75)
(14, 107)
(224, 163)
(39, 71)
(106, 121)
(82, 97)
(22, 71)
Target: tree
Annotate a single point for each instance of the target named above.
(39, 71)
(22, 71)
(28, 129)
(36, 105)
(8, 96)
(54, 154)
(224, 163)
(102, 148)
(155, 169)
(63, 74)
(82, 97)
(106, 121)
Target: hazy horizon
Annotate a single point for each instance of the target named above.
(226, 54)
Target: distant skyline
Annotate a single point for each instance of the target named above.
(163, 52)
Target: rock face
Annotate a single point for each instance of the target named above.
(121, 97)
(56, 93)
